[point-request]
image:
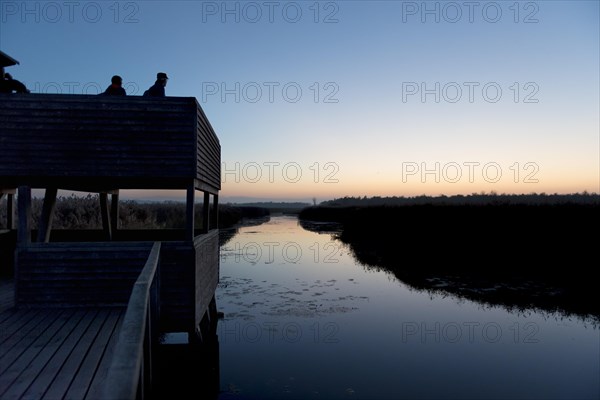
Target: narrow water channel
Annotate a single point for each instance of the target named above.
(304, 320)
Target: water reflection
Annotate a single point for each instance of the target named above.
(303, 320)
(379, 251)
(226, 234)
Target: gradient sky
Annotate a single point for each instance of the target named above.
(348, 98)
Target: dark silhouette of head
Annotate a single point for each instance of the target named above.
(116, 80)
(162, 78)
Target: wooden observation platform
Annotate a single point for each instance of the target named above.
(89, 307)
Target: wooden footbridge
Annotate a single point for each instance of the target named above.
(82, 312)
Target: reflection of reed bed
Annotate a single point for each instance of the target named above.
(228, 232)
(518, 256)
(322, 226)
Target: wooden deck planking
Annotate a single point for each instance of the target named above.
(5, 315)
(48, 371)
(87, 371)
(29, 374)
(57, 353)
(24, 353)
(96, 389)
(7, 295)
(14, 322)
(21, 338)
(62, 381)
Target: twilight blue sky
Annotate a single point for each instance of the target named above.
(326, 99)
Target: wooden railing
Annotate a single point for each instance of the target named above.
(130, 375)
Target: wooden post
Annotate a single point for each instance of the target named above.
(1, 196)
(189, 213)
(105, 211)
(206, 213)
(213, 316)
(24, 210)
(45, 225)
(10, 207)
(114, 212)
(10, 211)
(215, 213)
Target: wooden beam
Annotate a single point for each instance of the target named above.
(10, 206)
(204, 187)
(189, 213)
(45, 224)
(105, 211)
(114, 212)
(10, 211)
(1, 196)
(24, 210)
(215, 213)
(206, 213)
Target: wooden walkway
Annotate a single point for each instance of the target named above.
(56, 353)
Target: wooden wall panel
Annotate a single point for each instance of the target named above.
(98, 141)
(78, 274)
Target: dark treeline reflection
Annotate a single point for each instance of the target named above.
(251, 218)
(518, 256)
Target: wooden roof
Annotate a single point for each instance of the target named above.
(6, 60)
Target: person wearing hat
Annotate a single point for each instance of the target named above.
(158, 89)
(115, 88)
(10, 85)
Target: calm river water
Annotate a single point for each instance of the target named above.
(304, 320)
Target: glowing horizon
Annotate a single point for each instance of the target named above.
(332, 99)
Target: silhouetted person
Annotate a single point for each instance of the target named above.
(158, 89)
(115, 88)
(10, 85)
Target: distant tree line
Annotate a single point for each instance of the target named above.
(472, 199)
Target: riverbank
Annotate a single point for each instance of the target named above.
(518, 256)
